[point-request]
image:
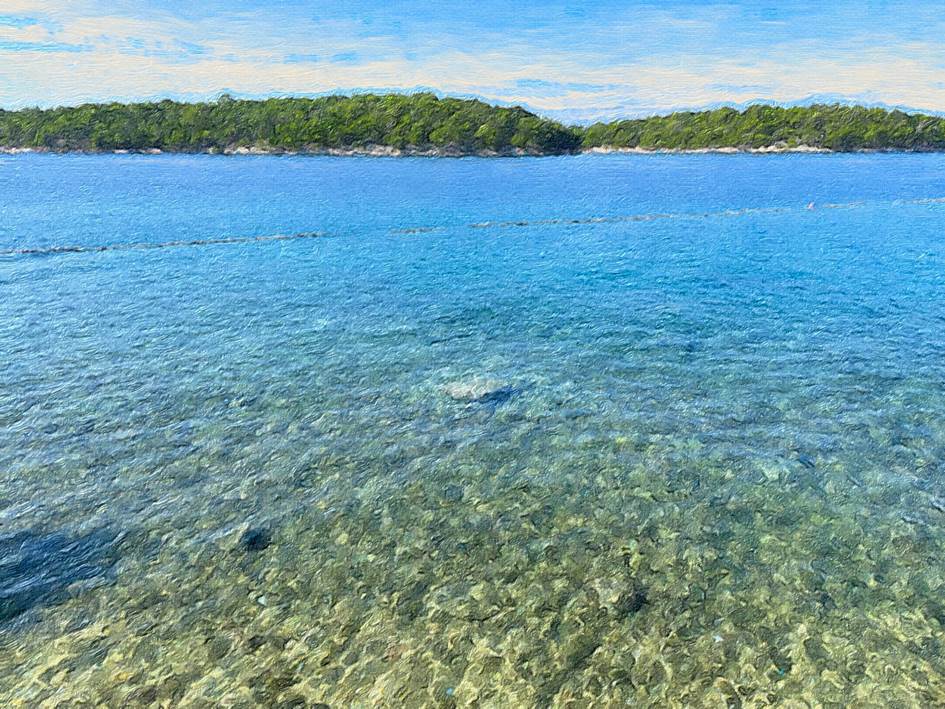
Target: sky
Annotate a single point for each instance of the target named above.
(575, 61)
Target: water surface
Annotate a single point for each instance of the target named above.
(631, 430)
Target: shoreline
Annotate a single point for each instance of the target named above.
(764, 150)
(381, 151)
(377, 151)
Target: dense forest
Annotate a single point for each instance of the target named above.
(406, 122)
(425, 123)
(831, 127)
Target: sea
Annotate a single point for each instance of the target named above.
(600, 430)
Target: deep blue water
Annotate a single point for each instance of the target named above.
(614, 428)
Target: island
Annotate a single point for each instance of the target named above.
(425, 124)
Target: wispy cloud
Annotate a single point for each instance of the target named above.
(17, 21)
(605, 60)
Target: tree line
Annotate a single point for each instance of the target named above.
(425, 122)
(831, 127)
(415, 121)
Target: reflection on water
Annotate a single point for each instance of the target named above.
(661, 462)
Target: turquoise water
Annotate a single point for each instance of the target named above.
(613, 430)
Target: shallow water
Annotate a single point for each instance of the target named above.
(624, 430)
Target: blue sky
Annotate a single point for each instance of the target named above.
(572, 60)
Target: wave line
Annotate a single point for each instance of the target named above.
(654, 216)
(147, 246)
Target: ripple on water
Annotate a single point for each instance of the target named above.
(664, 462)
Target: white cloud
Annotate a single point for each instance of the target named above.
(25, 33)
(132, 58)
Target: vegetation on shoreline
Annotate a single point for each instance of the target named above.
(829, 127)
(424, 123)
(420, 122)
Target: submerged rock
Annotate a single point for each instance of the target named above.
(631, 602)
(218, 648)
(479, 390)
(806, 461)
(255, 539)
(454, 493)
(38, 568)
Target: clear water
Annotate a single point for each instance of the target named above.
(619, 430)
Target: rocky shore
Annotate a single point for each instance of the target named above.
(387, 151)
